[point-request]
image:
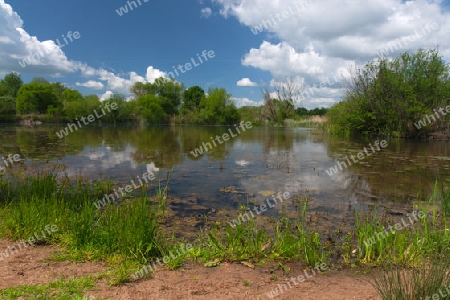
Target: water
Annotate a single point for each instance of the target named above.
(250, 167)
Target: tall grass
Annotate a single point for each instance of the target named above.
(445, 201)
(408, 246)
(421, 282)
(130, 228)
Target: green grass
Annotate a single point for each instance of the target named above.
(408, 246)
(425, 280)
(62, 289)
(248, 242)
(130, 229)
(128, 233)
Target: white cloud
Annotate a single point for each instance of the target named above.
(239, 102)
(246, 82)
(23, 53)
(153, 74)
(106, 95)
(328, 36)
(91, 84)
(206, 12)
(320, 102)
(6, 40)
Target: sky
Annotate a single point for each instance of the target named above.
(104, 47)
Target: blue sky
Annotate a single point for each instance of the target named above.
(315, 41)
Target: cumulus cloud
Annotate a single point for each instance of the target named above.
(91, 84)
(153, 74)
(239, 102)
(320, 102)
(23, 53)
(317, 38)
(206, 12)
(106, 95)
(246, 82)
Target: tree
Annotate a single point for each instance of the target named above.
(123, 112)
(36, 98)
(386, 97)
(70, 95)
(192, 97)
(252, 114)
(218, 108)
(40, 80)
(151, 108)
(11, 84)
(58, 90)
(169, 91)
(279, 102)
(140, 88)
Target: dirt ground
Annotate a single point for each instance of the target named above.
(194, 281)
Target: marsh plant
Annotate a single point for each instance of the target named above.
(130, 229)
(248, 241)
(420, 239)
(430, 277)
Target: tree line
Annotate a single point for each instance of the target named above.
(161, 102)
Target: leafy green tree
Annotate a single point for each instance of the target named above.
(301, 111)
(40, 80)
(7, 105)
(218, 108)
(140, 88)
(80, 107)
(192, 97)
(70, 95)
(169, 91)
(11, 84)
(58, 90)
(124, 111)
(151, 108)
(36, 98)
(387, 97)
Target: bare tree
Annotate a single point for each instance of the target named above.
(270, 110)
(280, 104)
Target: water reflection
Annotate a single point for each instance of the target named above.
(257, 163)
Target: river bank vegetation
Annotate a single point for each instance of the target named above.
(141, 228)
(403, 97)
(161, 102)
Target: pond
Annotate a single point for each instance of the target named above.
(247, 168)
